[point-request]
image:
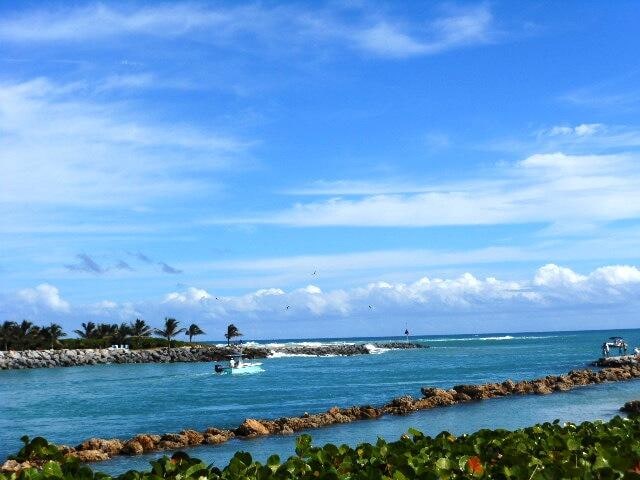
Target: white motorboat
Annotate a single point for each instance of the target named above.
(238, 366)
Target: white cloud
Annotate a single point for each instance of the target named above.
(545, 187)
(190, 296)
(351, 27)
(552, 286)
(582, 130)
(554, 276)
(45, 296)
(504, 304)
(60, 146)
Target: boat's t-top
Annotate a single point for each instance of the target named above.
(236, 360)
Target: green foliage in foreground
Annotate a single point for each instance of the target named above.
(592, 450)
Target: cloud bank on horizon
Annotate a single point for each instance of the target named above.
(556, 296)
(156, 156)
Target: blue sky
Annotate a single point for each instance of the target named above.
(467, 166)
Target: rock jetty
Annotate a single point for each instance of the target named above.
(202, 353)
(96, 449)
(89, 356)
(617, 361)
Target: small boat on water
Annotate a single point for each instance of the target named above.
(238, 366)
(614, 342)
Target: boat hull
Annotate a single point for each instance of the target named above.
(247, 369)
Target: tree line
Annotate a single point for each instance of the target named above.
(28, 336)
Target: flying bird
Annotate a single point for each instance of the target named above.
(287, 307)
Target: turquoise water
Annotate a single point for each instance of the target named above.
(68, 405)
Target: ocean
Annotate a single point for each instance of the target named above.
(68, 405)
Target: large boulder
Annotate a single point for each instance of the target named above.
(474, 392)
(132, 447)
(401, 406)
(632, 407)
(13, 466)
(251, 428)
(214, 439)
(193, 437)
(110, 447)
(148, 442)
(90, 455)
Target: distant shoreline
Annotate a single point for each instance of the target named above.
(421, 336)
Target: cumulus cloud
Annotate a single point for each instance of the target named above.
(552, 285)
(45, 296)
(191, 296)
(502, 305)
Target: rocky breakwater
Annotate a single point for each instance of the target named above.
(96, 449)
(617, 361)
(341, 349)
(201, 353)
(71, 358)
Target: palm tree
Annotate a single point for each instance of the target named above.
(8, 333)
(122, 332)
(106, 330)
(193, 330)
(53, 333)
(170, 329)
(232, 331)
(139, 328)
(25, 332)
(88, 330)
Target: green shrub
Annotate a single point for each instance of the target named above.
(592, 450)
(140, 343)
(80, 343)
(37, 449)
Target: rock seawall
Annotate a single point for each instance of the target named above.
(96, 449)
(72, 358)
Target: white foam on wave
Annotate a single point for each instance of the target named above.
(372, 349)
(276, 354)
(295, 343)
(484, 339)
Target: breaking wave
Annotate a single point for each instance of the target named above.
(375, 350)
